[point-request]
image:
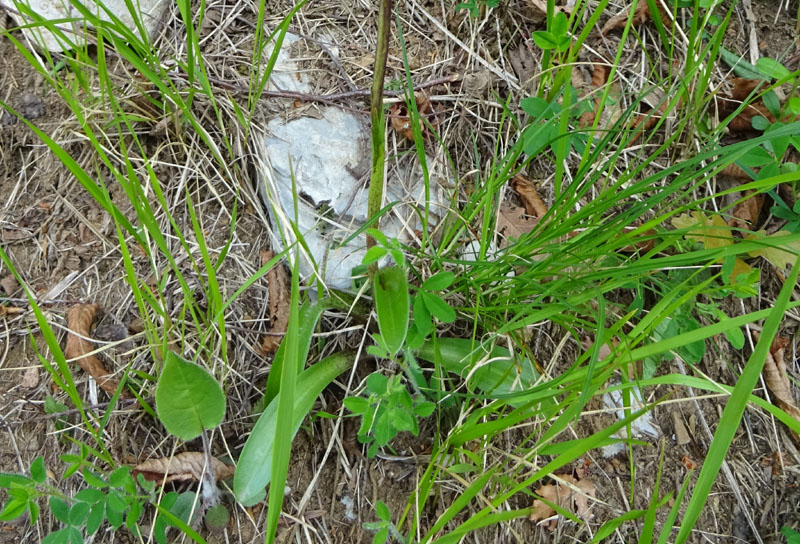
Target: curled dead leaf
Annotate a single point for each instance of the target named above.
(741, 91)
(780, 255)
(401, 121)
(79, 322)
(279, 300)
(640, 16)
(567, 493)
(187, 466)
(9, 284)
(512, 223)
(777, 379)
(534, 205)
(746, 212)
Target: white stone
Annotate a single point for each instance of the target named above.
(323, 154)
(149, 13)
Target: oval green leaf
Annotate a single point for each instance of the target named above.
(391, 304)
(188, 398)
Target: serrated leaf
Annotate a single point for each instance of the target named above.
(188, 398)
(780, 253)
(390, 291)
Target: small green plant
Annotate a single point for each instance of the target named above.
(387, 410)
(556, 39)
(792, 536)
(474, 6)
(383, 528)
(114, 499)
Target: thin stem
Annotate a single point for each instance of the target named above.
(378, 120)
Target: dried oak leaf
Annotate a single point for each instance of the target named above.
(728, 104)
(513, 223)
(534, 205)
(79, 322)
(640, 16)
(279, 302)
(777, 379)
(712, 231)
(401, 120)
(187, 466)
(781, 256)
(746, 212)
(566, 497)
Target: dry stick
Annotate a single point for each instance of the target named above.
(376, 181)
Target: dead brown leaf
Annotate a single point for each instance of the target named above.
(31, 377)
(565, 497)
(513, 223)
(640, 16)
(187, 466)
(600, 72)
(728, 104)
(401, 121)
(279, 300)
(79, 322)
(778, 380)
(9, 284)
(534, 205)
(746, 212)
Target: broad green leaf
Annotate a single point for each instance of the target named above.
(13, 509)
(390, 290)
(373, 254)
(38, 472)
(78, 513)
(383, 511)
(59, 509)
(772, 68)
(357, 405)
(424, 409)
(254, 468)
(438, 307)
(545, 40)
(559, 27)
(438, 282)
(95, 519)
(422, 316)
(6, 479)
(377, 383)
(188, 398)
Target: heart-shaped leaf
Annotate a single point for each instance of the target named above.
(188, 398)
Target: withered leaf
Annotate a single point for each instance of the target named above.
(401, 121)
(79, 322)
(512, 223)
(279, 300)
(534, 205)
(31, 377)
(565, 497)
(781, 256)
(728, 104)
(187, 466)
(9, 284)
(777, 379)
(746, 212)
(640, 16)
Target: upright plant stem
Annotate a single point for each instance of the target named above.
(378, 122)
